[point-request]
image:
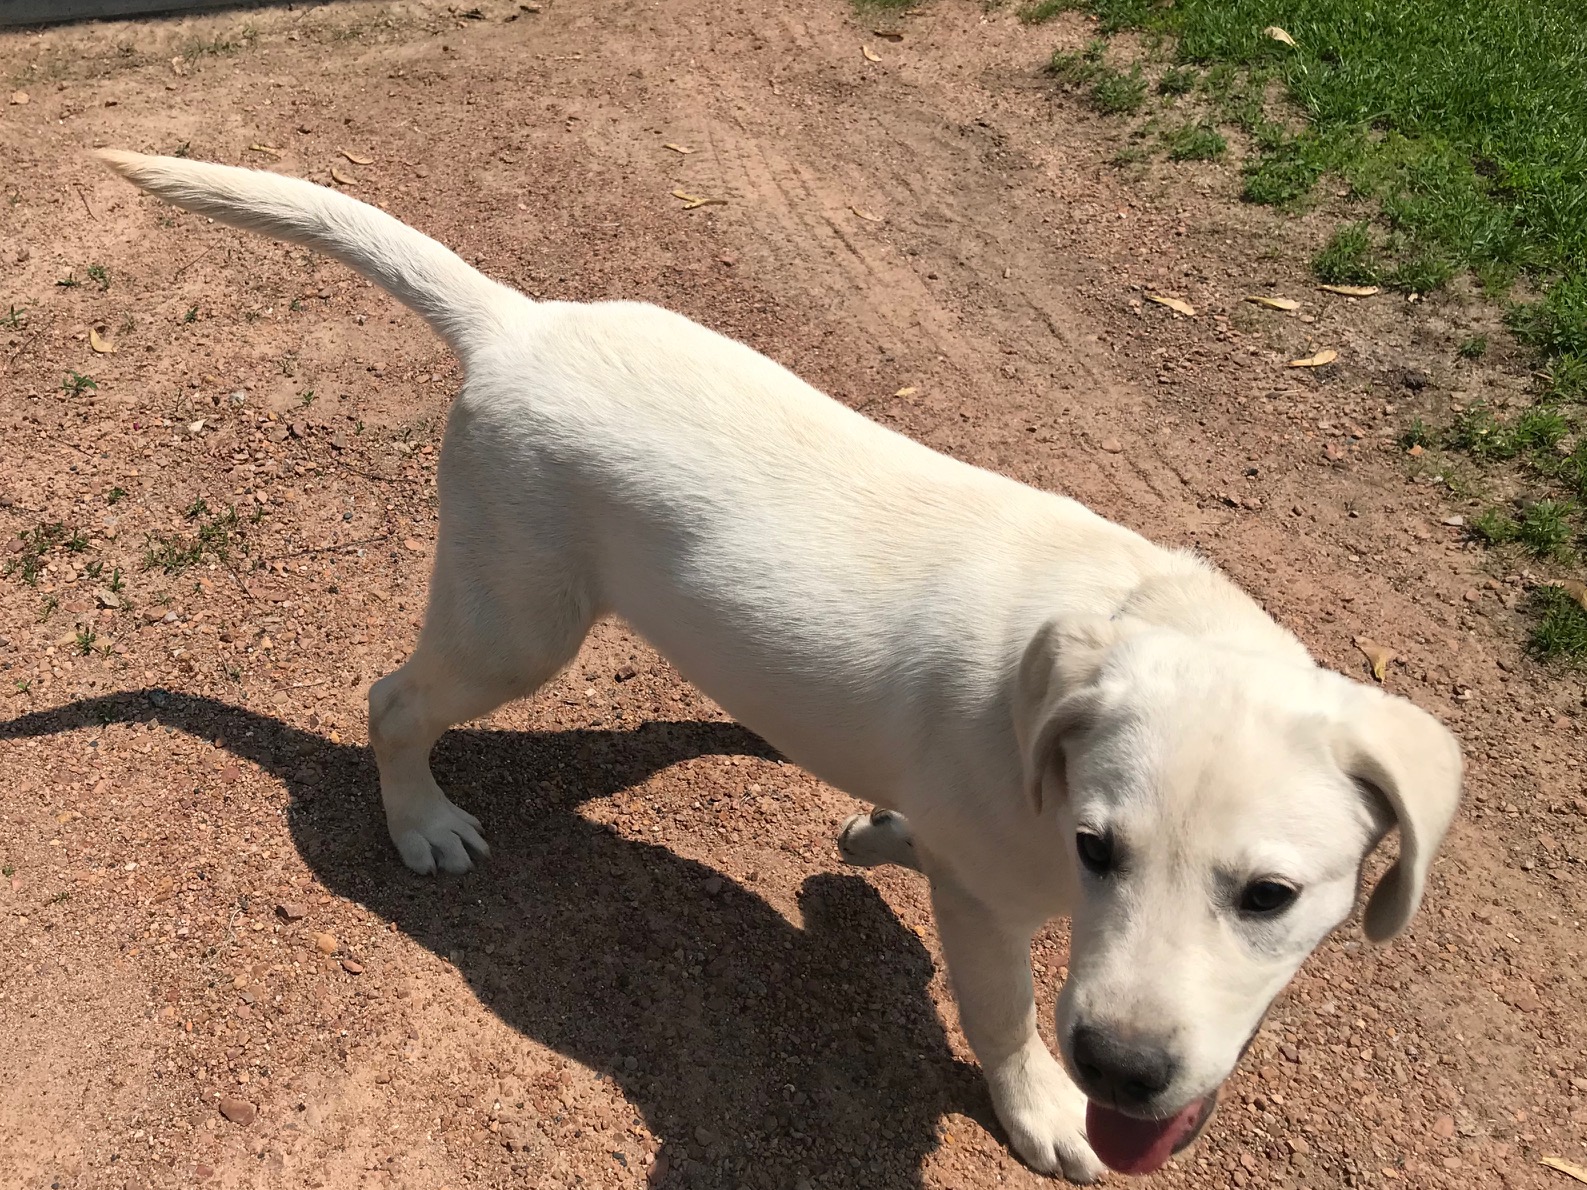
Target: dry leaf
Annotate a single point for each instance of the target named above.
(690, 201)
(910, 391)
(1377, 656)
(888, 34)
(1273, 303)
(338, 176)
(1567, 1168)
(269, 150)
(870, 54)
(1174, 304)
(100, 346)
(1278, 34)
(1326, 356)
(355, 158)
(866, 215)
(1352, 290)
(685, 149)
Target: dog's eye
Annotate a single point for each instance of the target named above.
(1267, 897)
(1096, 851)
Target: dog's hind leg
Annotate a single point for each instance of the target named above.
(880, 837)
(497, 628)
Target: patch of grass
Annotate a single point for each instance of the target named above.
(1045, 10)
(1115, 93)
(14, 319)
(1473, 348)
(1561, 631)
(212, 536)
(1077, 68)
(69, 281)
(115, 495)
(1416, 434)
(191, 315)
(100, 276)
(1464, 121)
(85, 640)
(1544, 528)
(1178, 80)
(1195, 142)
(1349, 257)
(76, 384)
(37, 543)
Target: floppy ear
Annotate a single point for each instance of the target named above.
(1400, 752)
(1053, 690)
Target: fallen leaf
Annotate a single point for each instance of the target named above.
(1273, 303)
(1174, 304)
(1352, 290)
(888, 34)
(268, 150)
(866, 215)
(684, 149)
(1576, 589)
(870, 54)
(907, 391)
(690, 201)
(355, 158)
(1569, 1169)
(100, 345)
(1278, 34)
(1377, 656)
(1326, 356)
(338, 176)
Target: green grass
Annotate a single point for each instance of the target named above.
(1195, 142)
(1561, 630)
(1109, 90)
(1044, 10)
(213, 536)
(1473, 348)
(1464, 121)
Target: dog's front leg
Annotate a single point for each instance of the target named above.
(989, 965)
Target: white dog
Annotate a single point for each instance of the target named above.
(1055, 715)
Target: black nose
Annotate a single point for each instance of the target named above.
(1124, 1073)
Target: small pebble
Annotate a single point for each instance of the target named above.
(238, 1111)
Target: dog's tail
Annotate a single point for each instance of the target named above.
(461, 304)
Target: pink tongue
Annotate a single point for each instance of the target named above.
(1128, 1145)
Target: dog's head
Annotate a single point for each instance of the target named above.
(1220, 805)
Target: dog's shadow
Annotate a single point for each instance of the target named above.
(762, 1054)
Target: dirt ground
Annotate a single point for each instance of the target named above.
(215, 968)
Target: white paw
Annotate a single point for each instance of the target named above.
(880, 837)
(1044, 1114)
(438, 836)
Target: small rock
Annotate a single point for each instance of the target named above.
(299, 429)
(1414, 379)
(352, 967)
(413, 544)
(326, 943)
(713, 886)
(238, 1111)
(18, 98)
(626, 672)
(108, 598)
(292, 910)
(1113, 446)
(1472, 596)
(203, 1172)
(1454, 522)
(1298, 1145)
(1444, 1126)
(1526, 1000)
